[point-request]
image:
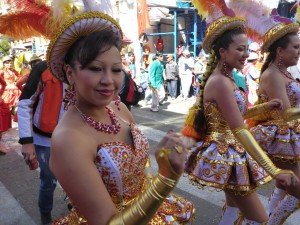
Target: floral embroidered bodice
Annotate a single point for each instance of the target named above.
(218, 130)
(293, 93)
(122, 167)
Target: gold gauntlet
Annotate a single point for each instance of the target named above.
(251, 146)
(143, 208)
(257, 112)
(291, 114)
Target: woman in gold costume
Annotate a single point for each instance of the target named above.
(278, 133)
(224, 154)
(98, 154)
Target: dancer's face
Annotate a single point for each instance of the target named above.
(236, 54)
(100, 81)
(290, 55)
(7, 64)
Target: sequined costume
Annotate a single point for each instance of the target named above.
(280, 139)
(219, 160)
(11, 93)
(122, 169)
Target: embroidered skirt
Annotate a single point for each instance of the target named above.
(175, 210)
(283, 146)
(233, 171)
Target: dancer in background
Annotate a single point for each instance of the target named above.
(5, 117)
(11, 93)
(224, 154)
(278, 133)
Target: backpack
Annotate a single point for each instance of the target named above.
(160, 45)
(129, 92)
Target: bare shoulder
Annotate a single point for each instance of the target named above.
(122, 111)
(217, 85)
(271, 78)
(71, 138)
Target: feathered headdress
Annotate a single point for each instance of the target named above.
(91, 18)
(26, 18)
(62, 22)
(262, 23)
(219, 18)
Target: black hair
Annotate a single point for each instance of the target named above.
(281, 42)
(222, 42)
(87, 48)
(158, 54)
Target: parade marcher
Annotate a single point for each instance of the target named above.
(156, 81)
(185, 66)
(225, 155)
(5, 117)
(11, 93)
(39, 110)
(97, 141)
(33, 61)
(278, 133)
(171, 76)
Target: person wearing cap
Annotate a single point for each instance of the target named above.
(278, 134)
(97, 140)
(11, 93)
(171, 76)
(186, 66)
(224, 154)
(33, 61)
(252, 75)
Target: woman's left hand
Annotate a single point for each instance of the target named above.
(275, 104)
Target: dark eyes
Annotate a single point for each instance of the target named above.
(98, 69)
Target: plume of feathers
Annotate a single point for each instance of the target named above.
(258, 20)
(27, 18)
(297, 15)
(104, 6)
(212, 9)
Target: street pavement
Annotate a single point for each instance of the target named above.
(19, 185)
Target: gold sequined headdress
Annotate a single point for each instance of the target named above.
(83, 23)
(219, 19)
(263, 24)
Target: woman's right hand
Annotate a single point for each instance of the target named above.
(275, 104)
(172, 141)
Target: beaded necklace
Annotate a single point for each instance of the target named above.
(285, 73)
(225, 73)
(115, 127)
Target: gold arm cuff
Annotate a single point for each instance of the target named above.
(256, 152)
(259, 112)
(291, 114)
(143, 208)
